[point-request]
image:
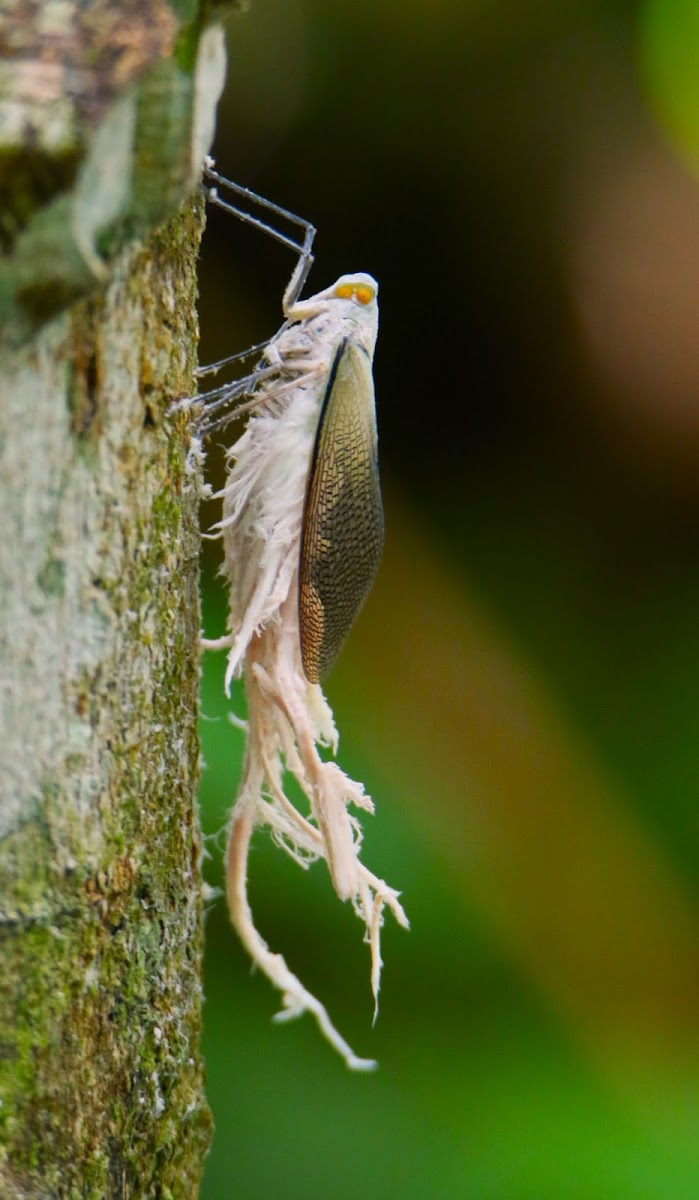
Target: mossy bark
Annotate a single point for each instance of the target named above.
(105, 115)
(100, 889)
(100, 886)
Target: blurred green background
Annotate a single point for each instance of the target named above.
(520, 693)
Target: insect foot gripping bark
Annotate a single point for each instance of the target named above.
(302, 528)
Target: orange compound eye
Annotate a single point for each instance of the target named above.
(344, 292)
(364, 294)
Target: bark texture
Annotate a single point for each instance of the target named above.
(100, 890)
(99, 871)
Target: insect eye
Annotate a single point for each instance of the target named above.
(361, 293)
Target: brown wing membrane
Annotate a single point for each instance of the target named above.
(342, 534)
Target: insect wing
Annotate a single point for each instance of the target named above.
(342, 534)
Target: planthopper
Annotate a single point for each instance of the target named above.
(302, 531)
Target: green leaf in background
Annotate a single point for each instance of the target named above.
(519, 695)
(669, 51)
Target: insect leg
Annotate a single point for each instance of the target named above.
(213, 368)
(302, 244)
(231, 392)
(211, 403)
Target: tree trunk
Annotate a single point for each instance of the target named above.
(100, 888)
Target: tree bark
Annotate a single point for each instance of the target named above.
(100, 889)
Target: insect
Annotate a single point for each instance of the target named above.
(326, 344)
(302, 529)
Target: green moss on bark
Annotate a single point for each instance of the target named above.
(100, 889)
